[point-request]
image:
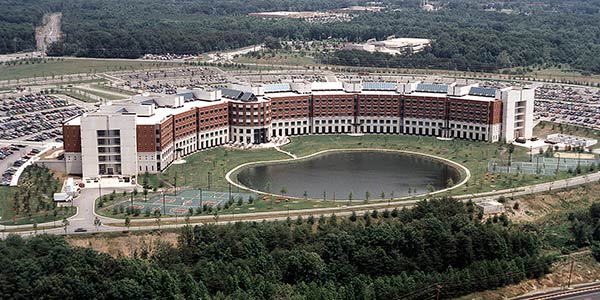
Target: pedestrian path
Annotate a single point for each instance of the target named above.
(285, 152)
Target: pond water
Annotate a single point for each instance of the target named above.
(337, 174)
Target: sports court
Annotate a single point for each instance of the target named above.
(542, 165)
(180, 204)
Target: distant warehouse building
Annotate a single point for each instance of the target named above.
(149, 133)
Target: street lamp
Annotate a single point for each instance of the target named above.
(200, 197)
(557, 164)
(163, 201)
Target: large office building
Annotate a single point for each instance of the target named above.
(150, 132)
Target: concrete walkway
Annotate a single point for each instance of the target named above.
(286, 153)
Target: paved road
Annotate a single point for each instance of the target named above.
(85, 208)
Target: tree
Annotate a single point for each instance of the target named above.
(272, 43)
(97, 223)
(503, 60)
(511, 150)
(283, 190)
(65, 224)
(157, 219)
(353, 216)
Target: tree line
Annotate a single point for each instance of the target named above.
(465, 36)
(398, 254)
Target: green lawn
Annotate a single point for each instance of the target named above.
(6, 209)
(54, 67)
(113, 89)
(85, 92)
(36, 186)
(194, 173)
(472, 155)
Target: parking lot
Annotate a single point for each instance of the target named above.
(12, 157)
(568, 104)
(35, 117)
(166, 81)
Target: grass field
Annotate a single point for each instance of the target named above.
(195, 172)
(113, 89)
(473, 155)
(212, 165)
(74, 66)
(102, 95)
(6, 209)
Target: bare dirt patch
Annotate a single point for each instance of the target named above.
(48, 32)
(585, 270)
(125, 245)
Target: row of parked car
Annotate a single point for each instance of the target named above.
(568, 112)
(568, 104)
(11, 106)
(34, 124)
(8, 174)
(54, 134)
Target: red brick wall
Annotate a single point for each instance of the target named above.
(211, 117)
(471, 111)
(425, 107)
(146, 138)
(341, 105)
(72, 138)
(496, 112)
(185, 123)
(379, 105)
(166, 132)
(290, 107)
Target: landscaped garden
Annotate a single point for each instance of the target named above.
(206, 170)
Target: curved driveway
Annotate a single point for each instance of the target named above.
(85, 209)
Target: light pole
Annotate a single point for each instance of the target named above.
(175, 184)
(557, 164)
(229, 192)
(163, 201)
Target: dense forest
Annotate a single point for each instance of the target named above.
(466, 35)
(399, 254)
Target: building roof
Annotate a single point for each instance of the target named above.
(238, 95)
(432, 88)
(484, 92)
(277, 87)
(379, 86)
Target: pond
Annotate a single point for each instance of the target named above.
(337, 174)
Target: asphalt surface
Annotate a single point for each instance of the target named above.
(86, 215)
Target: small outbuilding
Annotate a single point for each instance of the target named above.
(491, 207)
